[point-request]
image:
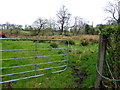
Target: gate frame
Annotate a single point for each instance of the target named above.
(35, 57)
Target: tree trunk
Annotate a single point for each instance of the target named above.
(119, 12)
(62, 31)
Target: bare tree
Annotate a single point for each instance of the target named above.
(40, 24)
(79, 23)
(51, 23)
(1, 26)
(63, 18)
(114, 9)
(119, 12)
(7, 25)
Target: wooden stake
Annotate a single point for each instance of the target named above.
(101, 58)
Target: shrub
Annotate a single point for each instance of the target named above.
(60, 52)
(71, 42)
(54, 45)
(92, 41)
(75, 51)
(39, 41)
(84, 42)
(95, 41)
(34, 41)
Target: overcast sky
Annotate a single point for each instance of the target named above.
(27, 11)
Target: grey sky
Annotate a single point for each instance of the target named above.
(26, 11)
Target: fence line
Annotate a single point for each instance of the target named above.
(101, 60)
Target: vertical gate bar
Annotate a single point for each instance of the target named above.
(0, 64)
(67, 52)
(36, 53)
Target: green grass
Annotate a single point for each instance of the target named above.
(87, 59)
(88, 63)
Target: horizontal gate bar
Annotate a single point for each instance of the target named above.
(33, 57)
(59, 71)
(33, 64)
(32, 71)
(33, 49)
(32, 39)
(29, 77)
(21, 78)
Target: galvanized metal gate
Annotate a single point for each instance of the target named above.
(35, 68)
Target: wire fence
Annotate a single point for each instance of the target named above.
(107, 67)
(35, 67)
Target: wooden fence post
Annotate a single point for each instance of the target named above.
(101, 58)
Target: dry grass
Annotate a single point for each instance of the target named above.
(79, 37)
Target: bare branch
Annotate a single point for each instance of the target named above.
(39, 24)
(113, 9)
(63, 18)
